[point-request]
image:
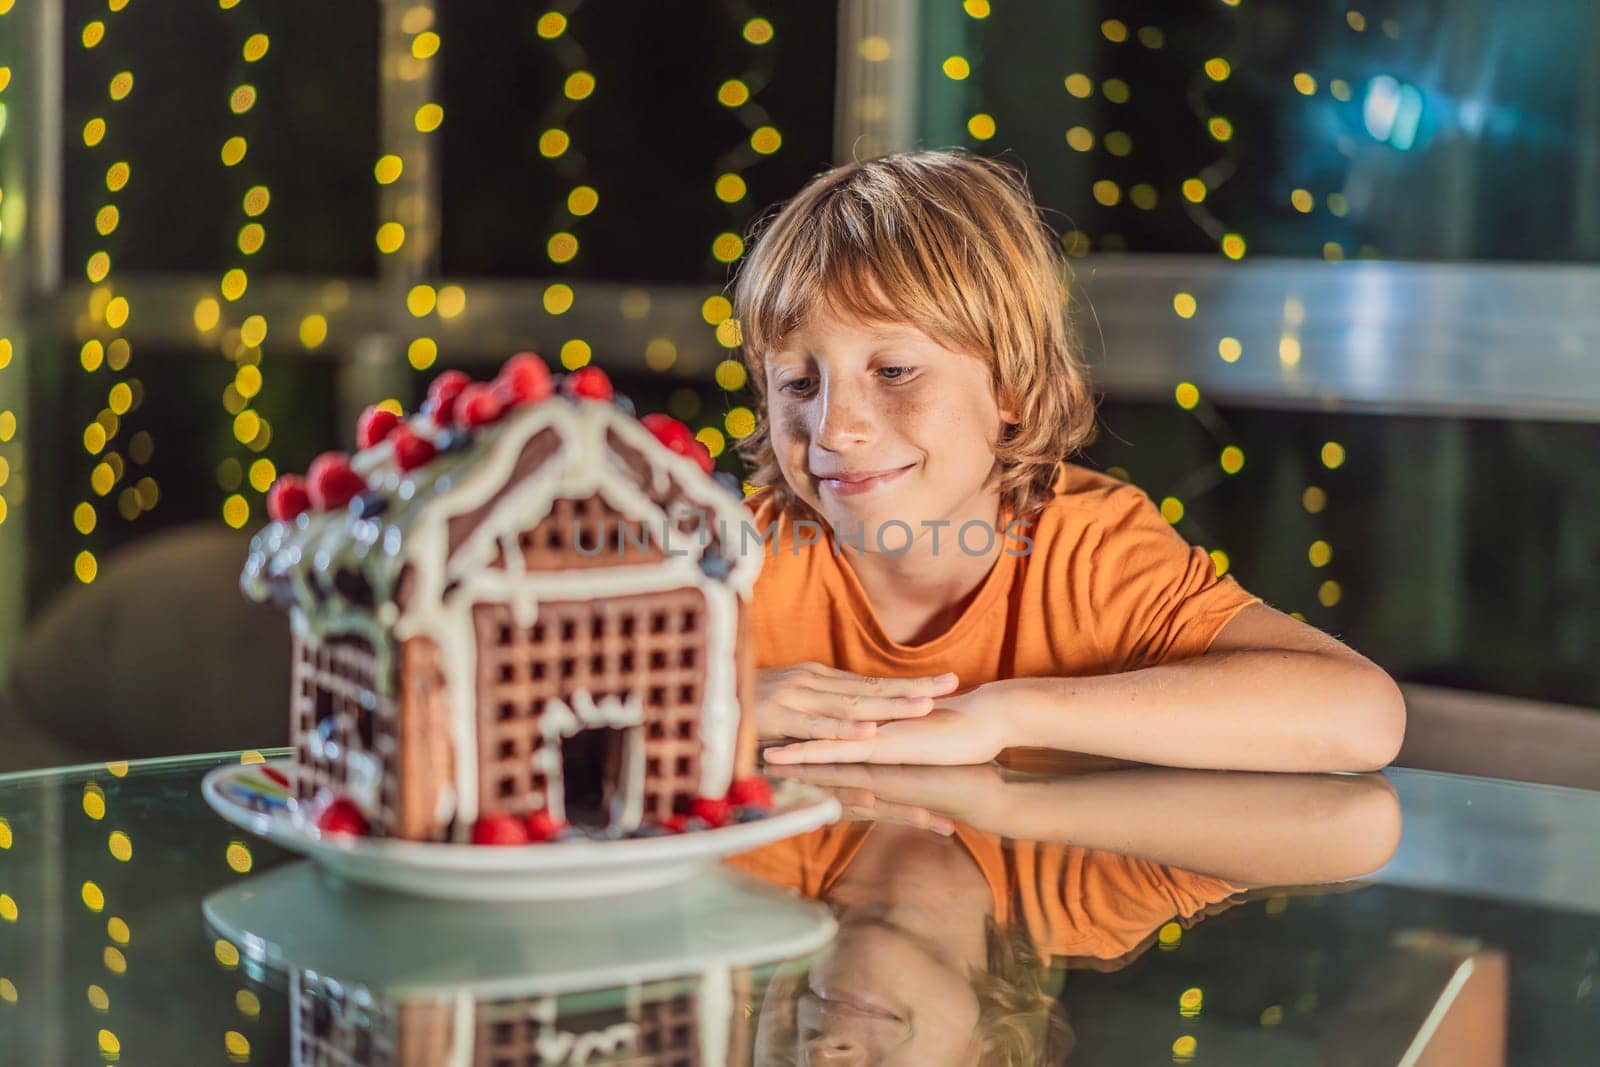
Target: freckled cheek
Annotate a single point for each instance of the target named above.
(789, 426)
(791, 438)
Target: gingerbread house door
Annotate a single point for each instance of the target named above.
(594, 710)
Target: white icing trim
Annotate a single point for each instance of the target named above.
(566, 1046)
(558, 721)
(632, 813)
(714, 1013)
(463, 1031)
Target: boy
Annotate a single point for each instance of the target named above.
(942, 583)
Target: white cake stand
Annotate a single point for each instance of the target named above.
(298, 916)
(559, 870)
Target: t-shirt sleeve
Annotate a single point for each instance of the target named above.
(1080, 902)
(1156, 598)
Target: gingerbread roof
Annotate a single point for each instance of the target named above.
(464, 509)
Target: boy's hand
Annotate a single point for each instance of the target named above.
(930, 798)
(812, 700)
(969, 728)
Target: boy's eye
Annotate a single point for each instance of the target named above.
(795, 386)
(894, 374)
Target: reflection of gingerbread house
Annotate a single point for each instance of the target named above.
(547, 614)
(676, 1021)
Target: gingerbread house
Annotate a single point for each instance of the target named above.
(523, 600)
(684, 1021)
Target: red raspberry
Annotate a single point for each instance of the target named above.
(374, 425)
(524, 379)
(478, 405)
(670, 432)
(714, 811)
(411, 449)
(751, 792)
(678, 438)
(288, 498)
(541, 826)
(675, 824)
(499, 830)
(341, 816)
(443, 394)
(332, 482)
(590, 383)
(702, 455)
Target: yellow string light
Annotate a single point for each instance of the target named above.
(660, 354)
(313, 331)
(452, 301)
(766, 140)
(558, 298)
(713, 439)
(575, 354)
(551, 24)
(422, 352)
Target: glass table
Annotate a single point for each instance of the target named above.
(1059, 913)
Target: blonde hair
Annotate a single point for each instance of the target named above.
(960, 251)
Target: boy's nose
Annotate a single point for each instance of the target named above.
(843, 421)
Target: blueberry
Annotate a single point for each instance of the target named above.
(729, 482)
(649, 830)
(714, 566)
(369, 504)
(749, 815)
(624, 405)
(453, 440)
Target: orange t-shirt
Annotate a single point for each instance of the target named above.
(1077, 904)
(1108, 586)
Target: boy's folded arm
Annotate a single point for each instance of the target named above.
(1270, 693)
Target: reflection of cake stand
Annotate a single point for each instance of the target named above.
(382, 977)
(557, 870)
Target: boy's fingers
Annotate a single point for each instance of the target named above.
(840, 777)
(843, 682)
(821, 752)
(858, 707)
(827, 727)
(860, 799)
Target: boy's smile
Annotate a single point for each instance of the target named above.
(850, 483)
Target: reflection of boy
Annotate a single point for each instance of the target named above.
(944, 943)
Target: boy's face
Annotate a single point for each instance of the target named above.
(879, 994)
(873, 424)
